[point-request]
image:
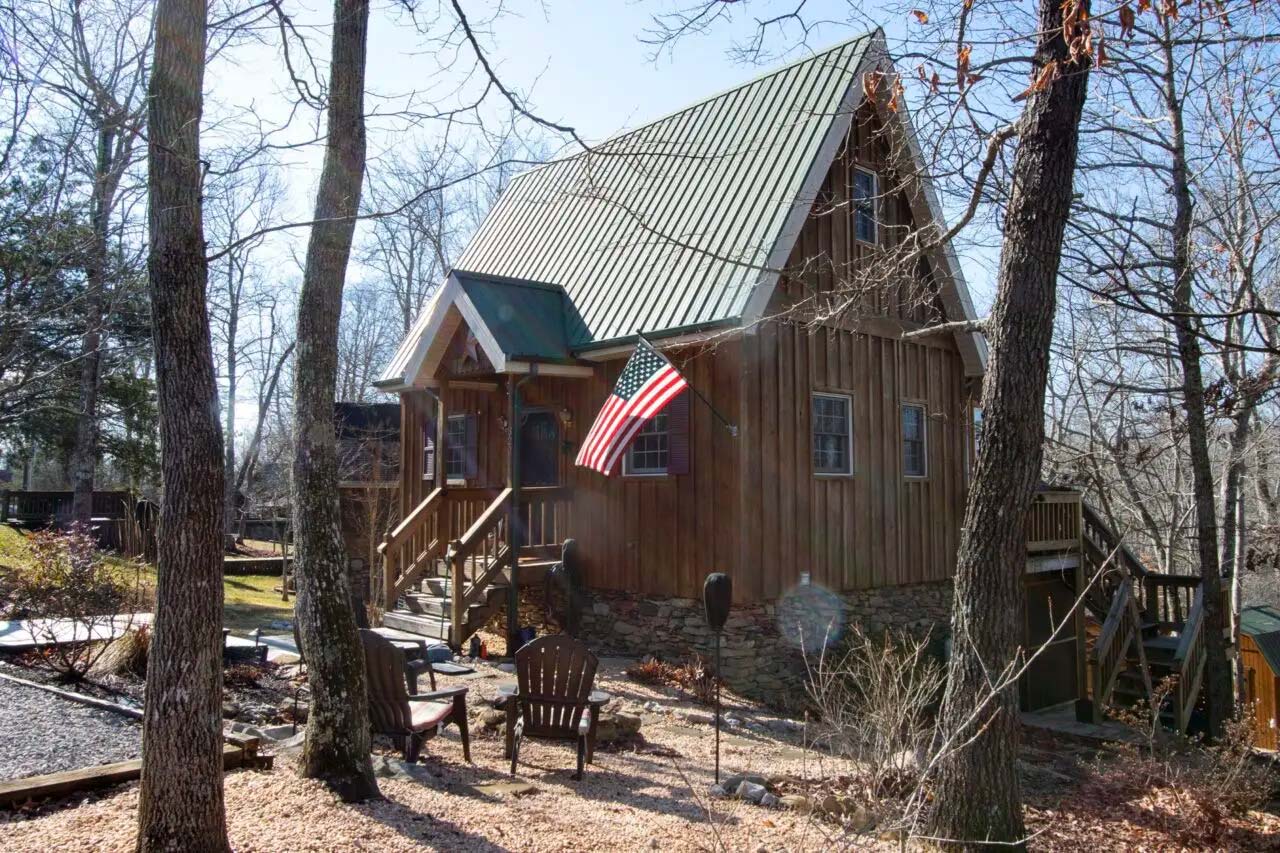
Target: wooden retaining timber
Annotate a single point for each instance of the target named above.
(243, 752)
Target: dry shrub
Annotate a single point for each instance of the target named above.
(126, 655)
(694, 677)
(69, 580)
(241, 675)
(874, 701)
(1206, 785)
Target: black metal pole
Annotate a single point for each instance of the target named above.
(717, 707)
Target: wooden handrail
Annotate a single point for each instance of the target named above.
(1111, 650)
(1190, 660)
(402, 530)
(491, 516)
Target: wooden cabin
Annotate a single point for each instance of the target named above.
(757, 239)
(1260, 662)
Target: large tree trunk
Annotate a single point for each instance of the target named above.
(181, 805)
(978, 803)
(337, 745)
(1217, 670)
(84, 455)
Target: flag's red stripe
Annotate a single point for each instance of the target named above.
(608, 423)
(609, 441)
(589, 442)
(602, 445)
(650, 406)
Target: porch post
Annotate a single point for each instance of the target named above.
(441, 419)
(515, 531)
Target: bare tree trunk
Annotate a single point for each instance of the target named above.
(84, 456)
(337, 745)
(181, 803)
(1217, 671)
(978, 802)
(229, 437)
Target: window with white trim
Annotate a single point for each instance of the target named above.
(650, 451)
(455, 447)
(832, 434)
(865, 192)
(914, 441)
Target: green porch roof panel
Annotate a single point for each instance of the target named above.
(672, 225)
(526, 318)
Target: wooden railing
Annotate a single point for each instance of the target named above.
(478, 557)
(1110, 653)
(1189, 661)
(411, 547)
(54, 507)
(421, 538)
(475, 559)
(545, 512)
(1168, 600)
(1053, 523)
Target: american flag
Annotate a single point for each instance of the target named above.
(646, 385)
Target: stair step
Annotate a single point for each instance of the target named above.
(416, 623)
(1161, 644)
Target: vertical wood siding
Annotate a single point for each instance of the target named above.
(875, 527)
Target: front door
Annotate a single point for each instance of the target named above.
(539, 449)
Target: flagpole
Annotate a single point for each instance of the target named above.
(733, 429)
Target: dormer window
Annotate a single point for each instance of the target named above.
(865, 193)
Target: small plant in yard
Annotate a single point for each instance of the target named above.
(693, 676)
(69, 580)
(874, 702)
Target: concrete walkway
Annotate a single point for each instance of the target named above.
(19, 634)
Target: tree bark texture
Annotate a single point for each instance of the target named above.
(978, 802)
(84, 455)
(181, 803)
(1217, 671)
(338, 742)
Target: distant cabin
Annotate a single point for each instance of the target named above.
(1260, 660)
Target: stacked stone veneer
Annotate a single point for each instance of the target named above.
(757, 660)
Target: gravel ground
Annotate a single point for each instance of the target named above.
(44, 733)
(650, 797)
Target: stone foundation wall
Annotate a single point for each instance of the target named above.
(758, 658)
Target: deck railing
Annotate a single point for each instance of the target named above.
(1053, 523)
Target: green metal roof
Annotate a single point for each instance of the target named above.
(672, 225)
(526, 318)
(1263, 624)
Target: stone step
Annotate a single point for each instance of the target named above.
(434, 627)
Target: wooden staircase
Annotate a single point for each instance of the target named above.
(1151, 627)
(447, 565)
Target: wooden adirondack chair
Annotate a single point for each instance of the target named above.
(413, 718)
(553, 697)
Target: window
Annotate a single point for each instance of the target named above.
(913, 440)
(460, 447)
(832, 434)
(662, 444)
(650, 451)
(864, 206)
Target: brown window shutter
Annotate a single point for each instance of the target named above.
(471, 461)
(678, 434)
(429, 450)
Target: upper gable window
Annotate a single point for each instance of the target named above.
(865, 192)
